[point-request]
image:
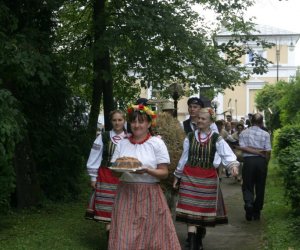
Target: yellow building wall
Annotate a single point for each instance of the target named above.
(252, 105)
(283, 54)
(238, 100)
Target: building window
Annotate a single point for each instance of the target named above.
(250, 57)
(255, 52)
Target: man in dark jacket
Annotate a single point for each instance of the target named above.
(194, 106)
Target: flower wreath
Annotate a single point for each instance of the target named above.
(212, 114)
(143, 110)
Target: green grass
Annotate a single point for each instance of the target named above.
(59, 226)
(62, 226)
(282, 228)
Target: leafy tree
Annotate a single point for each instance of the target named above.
(49, 158)
(289, 106)
(11, 126)
(155, 43)
(268, 100)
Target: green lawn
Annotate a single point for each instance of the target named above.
(59, 226)
(62, 226)
(282, 229)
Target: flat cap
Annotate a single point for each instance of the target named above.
(195, 100)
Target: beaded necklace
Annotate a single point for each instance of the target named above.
(204, 140)
(141, 142)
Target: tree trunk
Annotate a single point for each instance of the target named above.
(108, 100)
(102, 82)
(28, 192)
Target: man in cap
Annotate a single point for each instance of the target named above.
(142, 101)
(194, 106)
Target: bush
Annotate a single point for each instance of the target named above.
(11, 126)
(59, 148)
(289, 160)
(283, 138)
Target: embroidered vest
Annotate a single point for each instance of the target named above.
(108, 148)
(202, 154)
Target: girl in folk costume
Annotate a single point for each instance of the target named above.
(141, 218)
(200, 200)
(103, 181)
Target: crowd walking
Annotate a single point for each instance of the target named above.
(132, 203)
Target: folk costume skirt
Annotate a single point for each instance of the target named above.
(200, 199)
(141, 219)
(102, 198)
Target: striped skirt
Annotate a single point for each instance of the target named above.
(102, 198)
(200, 199)
(141, 219)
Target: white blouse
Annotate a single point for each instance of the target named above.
(95, 157)
(151, 153)
(223, 154)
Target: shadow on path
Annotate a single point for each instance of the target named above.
(238, 234)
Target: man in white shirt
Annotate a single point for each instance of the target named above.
(256, 146)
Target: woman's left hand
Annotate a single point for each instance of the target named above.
(144, 170)
(234, 170)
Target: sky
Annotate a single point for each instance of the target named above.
(284, 14)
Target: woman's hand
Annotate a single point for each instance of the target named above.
(161, 172)
(144, 170)
(234, 170)
(176, 183)
(93, 184)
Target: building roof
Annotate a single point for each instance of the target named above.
(263, 30)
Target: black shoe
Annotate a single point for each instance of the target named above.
(199, 244)
(193, 241)
(201, 232)
(248, 217)
(249, 212)
(256, 216)
(187, 242)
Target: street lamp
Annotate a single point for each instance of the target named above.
(277, 61)
(176, 91)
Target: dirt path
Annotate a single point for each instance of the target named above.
(239, 234)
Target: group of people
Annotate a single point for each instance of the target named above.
(134, 207)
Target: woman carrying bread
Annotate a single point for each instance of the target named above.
(141, 218)
(102, 179)
(200, 202)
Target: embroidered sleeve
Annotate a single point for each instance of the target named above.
(183, 159)
(95, 158)
(226, 154)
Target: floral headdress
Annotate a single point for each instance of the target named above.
(211, 113)
(143, 110)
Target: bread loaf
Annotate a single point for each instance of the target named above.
(127, 163)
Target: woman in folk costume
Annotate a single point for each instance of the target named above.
(102, 179)
(141, 218)
(200, 200)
